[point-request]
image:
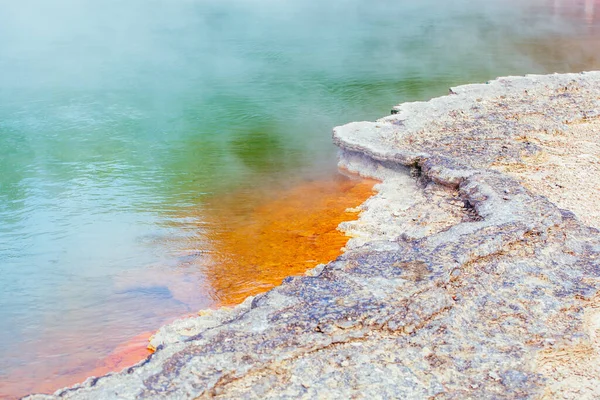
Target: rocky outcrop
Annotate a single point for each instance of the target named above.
(459, 281)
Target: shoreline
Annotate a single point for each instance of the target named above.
(457, 281)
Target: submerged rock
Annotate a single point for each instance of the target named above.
(462, 279)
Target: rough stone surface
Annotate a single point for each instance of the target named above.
(461, 280)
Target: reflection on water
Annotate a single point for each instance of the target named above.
(141, 140)
(572, 41)
(586, 11)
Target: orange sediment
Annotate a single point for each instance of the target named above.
(47, 380)
(125, 355)
(292, 231)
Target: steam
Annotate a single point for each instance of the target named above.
(164, 46)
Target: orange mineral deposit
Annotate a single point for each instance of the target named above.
(281, 233)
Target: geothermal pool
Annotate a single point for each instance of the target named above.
(159, 157)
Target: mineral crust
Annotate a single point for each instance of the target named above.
(472, 273)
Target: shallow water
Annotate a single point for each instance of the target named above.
(134, 134)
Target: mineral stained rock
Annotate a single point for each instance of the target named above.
(466, 277)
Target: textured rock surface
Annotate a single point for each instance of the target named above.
(459, 282)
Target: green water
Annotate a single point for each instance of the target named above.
(119, 117)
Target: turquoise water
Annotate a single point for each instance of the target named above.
(119, 117)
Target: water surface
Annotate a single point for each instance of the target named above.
(123, 124)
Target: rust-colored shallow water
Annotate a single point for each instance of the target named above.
(35, 379)
(265, 240)
(252, 240)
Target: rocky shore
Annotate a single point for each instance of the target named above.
(472, 273)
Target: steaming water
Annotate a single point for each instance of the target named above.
(119, 117)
